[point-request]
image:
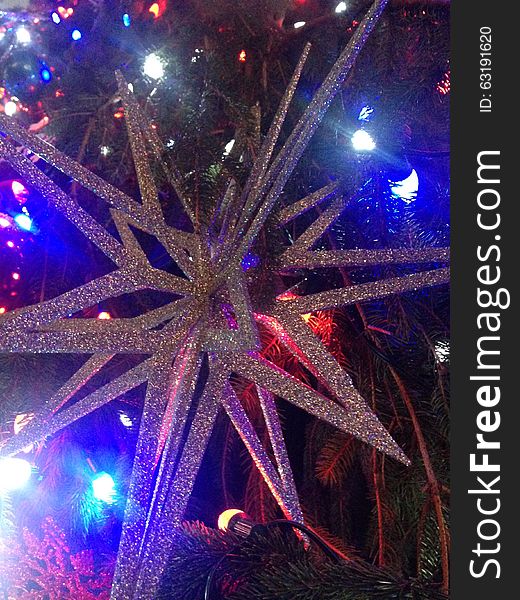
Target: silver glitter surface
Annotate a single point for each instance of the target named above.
(210, 331)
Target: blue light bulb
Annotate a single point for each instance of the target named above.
(45, 74)
(23, 221)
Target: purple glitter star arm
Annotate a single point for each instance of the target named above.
(150, 136)
(283, 490)
(173, 498)
(141, 480)
(274, 427)
(45, 427)
(257, 179)
(359, 420)
(33, 431)
(300, 207)
(61, 161)
(369, 291)
(290, 154)
(149, 194)
(360, 258)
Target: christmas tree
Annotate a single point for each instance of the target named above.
(275, 334)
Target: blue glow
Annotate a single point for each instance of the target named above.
(365, 113)
(407, 188)
(45, 74)
(104, 488)
(76, 35)
(250, 261)
(127, 20)
(56, 18)
(14, 473)
(23, 221)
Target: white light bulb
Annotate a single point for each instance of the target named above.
(299, 24)
(23, 36)
(14, 473)
(362, 141)
(365, 113)
(407, 188)
(341, 7)
(125, 420)
(103, 487)
(10, 108)
(228, 147)
(153, 66)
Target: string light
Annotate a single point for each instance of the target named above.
(56, 18)
(407, 188)
(228, 147)
(45, 74)
(76, 35)
(23, 221)
(225, 518)
(127, 21)
(104, 316)
(16, 276)
(125, 420)
(14, 473)
(10, 108)
(104, 488)
(154, 10)
(65, 13)
(4, 222)
(365, 113)
(18, 188)
(23, 36)
(362, 141)
(242, 56)
(340, 8)
(153, 66)
(105, 150)
(299, 24)
(3, 310)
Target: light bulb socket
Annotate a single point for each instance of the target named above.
(241, 525)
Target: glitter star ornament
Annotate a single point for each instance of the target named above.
(196, 345)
